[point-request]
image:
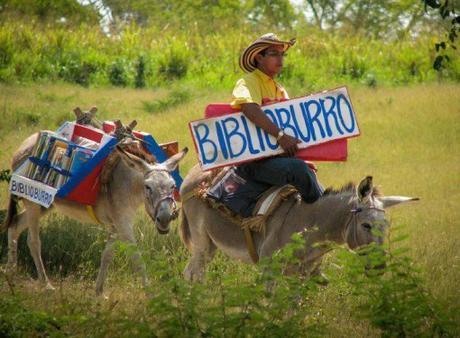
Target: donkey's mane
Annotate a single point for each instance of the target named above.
(350, 187)
(134, 148)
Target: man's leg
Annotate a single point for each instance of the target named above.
(284, 170)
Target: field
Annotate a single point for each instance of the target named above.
(409, 143)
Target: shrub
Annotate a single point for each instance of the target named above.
(177, 97)
(117, 74)
(173, 66)
(394, 298)
(139, 81)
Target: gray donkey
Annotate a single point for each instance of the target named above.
(346, 216)
(132, 182)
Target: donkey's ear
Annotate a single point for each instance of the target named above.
(365, 188)
(134, 161)
(389, 201)
(93, 111)
(171, 163)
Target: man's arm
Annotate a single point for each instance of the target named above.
(255, 114)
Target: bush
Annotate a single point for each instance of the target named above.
(393, 298)
(176, 97)
(173, 66)
(139, 81)
(117, 74)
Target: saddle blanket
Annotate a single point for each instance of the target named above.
(246, 199)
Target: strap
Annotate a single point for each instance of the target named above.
(250, 244)
(92, 214)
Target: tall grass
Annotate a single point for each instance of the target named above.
(408, 143)
(84, 55)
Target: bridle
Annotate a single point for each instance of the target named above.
(354, 212)
(169, 197)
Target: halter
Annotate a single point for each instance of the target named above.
(170, 196)
(354, 212)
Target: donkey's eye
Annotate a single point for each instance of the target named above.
(366, 226)
(149, 190)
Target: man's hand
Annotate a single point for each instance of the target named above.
(289, 144)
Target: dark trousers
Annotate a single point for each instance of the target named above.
(279, 171)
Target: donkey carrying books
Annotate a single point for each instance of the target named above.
(130, 182)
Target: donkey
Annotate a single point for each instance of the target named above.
(349, 216)
(132, 182)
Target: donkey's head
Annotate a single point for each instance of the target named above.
(367, 223)
(159, 187)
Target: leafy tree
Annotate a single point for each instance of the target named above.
(378, 19)
(50, 10)
(447, 11)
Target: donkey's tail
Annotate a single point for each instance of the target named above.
(11, 213)
(184, 230)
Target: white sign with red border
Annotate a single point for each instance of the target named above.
(313, 119)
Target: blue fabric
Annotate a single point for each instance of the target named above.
(278, 171)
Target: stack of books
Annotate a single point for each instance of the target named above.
(55, 159)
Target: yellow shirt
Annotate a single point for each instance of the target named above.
(257, 87)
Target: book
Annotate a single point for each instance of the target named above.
(80, 156)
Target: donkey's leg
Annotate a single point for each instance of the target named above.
(14, 231)
(33, 240)
(127, 234)
(106, 259)
(203, 251)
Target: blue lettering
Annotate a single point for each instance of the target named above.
(260, 137)
(21, 187)
(272, 117)
(314, 119)
(285, 123)
(233, 133)
(305, 138)
(350, 112)
(327, 113)
(248, 134)
(14, 186)
(202, 140)
(220, 137)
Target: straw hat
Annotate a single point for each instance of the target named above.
(247, 58)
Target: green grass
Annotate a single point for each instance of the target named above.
(409, 143)
(30, 52)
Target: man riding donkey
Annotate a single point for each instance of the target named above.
(246, 231)
(262, 60)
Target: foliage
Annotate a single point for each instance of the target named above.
(117, 74)
(29, 52)
(5, 175)
(177, 97)
(68, 247)
(242, 302)
(391, 291)
(447, 11)
(64, 11)
(139, 81)
(18, 321)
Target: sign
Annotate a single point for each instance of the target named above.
(313, 119)
(34, 191)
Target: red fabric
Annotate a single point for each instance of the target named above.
(331, 151)
(88, 189)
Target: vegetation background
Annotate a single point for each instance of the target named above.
(162, 63)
